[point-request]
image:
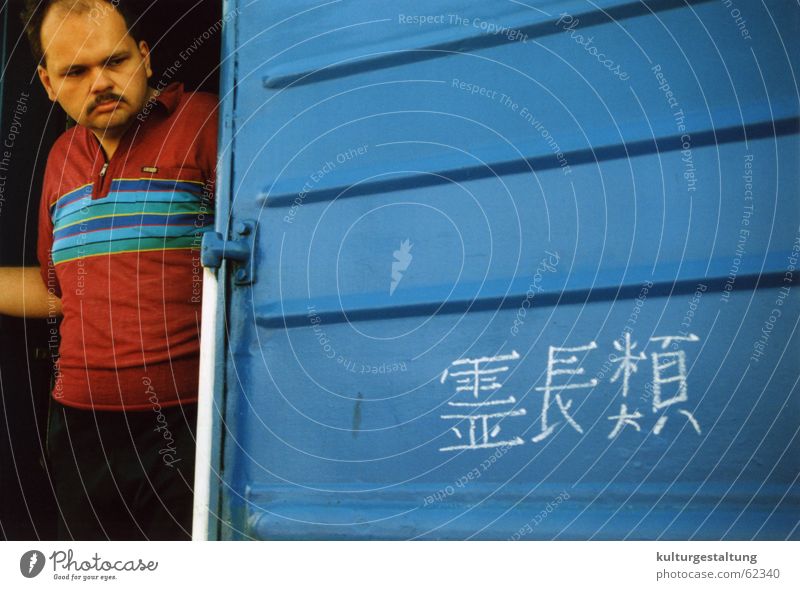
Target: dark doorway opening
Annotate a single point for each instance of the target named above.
(181, 32)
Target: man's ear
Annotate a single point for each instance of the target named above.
(45, 79)
(144, 51)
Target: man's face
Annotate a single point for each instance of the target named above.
(94, 68)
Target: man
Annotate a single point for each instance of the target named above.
(126, 196)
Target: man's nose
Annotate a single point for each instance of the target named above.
(102, 81)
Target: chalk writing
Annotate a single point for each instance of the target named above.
(484, 410)
(476, 376)
(552, 371)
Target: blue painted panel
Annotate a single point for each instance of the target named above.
(522, 271)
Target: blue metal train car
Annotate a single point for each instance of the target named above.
(504, 270)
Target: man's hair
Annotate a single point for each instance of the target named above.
(35, 10)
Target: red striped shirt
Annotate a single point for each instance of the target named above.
(120, 244)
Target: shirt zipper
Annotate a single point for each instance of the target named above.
(99, 184)
(100, 181)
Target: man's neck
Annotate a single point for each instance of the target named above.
(109, 141)
(110, 138)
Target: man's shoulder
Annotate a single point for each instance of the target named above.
(69, 138)
(197, 102)
(70, 142)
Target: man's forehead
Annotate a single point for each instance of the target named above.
(83, 36)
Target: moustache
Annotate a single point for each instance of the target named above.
(105, 98)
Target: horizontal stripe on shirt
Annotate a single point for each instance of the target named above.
(122, 246)
(121, 185)
(131, 218)
(133, 227)
(129, 202)
(103, 218)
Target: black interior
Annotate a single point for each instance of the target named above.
(27, 505)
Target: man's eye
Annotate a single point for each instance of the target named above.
(73, 73)
(117, 61)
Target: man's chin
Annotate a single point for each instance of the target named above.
(110, 121)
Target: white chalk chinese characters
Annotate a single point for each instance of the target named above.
(485, 413)
(552, 362)
(673, 364)
(478, 376)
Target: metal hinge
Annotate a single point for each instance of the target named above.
(239, 250)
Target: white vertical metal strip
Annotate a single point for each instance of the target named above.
(205, 409)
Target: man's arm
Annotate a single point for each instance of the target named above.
(24, 294)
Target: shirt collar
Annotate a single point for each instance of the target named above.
(170, 96)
